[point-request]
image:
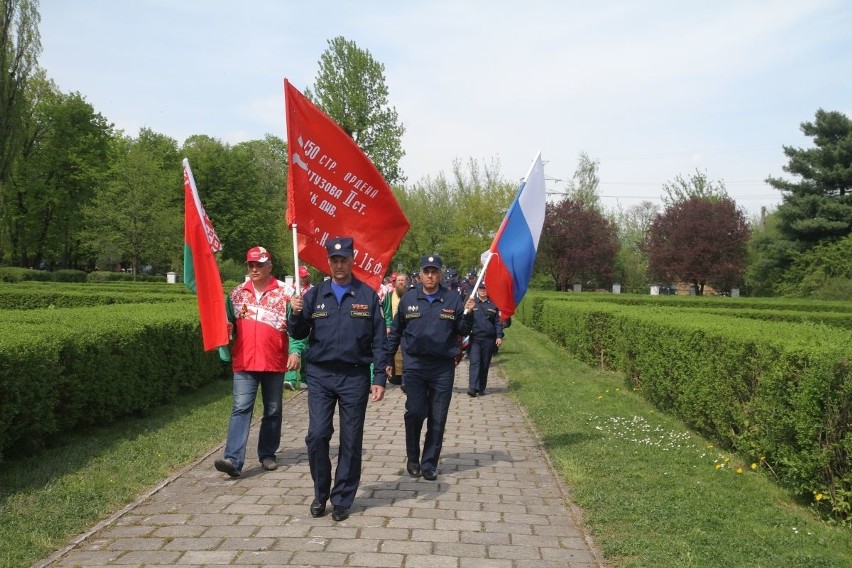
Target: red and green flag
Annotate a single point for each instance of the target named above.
(200, 272)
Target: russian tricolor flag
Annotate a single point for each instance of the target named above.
(513, 251)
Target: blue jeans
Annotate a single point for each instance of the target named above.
(428, 395)
(245, 392)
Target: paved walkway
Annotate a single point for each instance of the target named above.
(496, 503)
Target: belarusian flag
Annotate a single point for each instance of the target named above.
(200, 272)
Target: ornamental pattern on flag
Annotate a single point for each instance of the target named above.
(334, 190)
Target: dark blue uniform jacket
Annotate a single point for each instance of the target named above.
(427, 331)
(346, 335)
(486, 320)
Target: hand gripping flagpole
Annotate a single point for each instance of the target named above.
(481, 275)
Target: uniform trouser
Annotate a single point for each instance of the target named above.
(428, 394)
(245, 391)
(351, 392)
(481, 352)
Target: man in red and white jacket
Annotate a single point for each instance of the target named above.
(257, 321)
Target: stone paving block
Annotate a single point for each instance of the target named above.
(431, 561)
(144, 557)
(206, 557)
(485, 563)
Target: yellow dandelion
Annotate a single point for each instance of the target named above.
(739, 470)
(709, 445)
(727, 460)
(819, 496)
(718, 466)
(754, 466)
(600, 397)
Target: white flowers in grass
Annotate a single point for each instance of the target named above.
(637, 430)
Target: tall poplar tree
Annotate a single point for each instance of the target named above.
(350, 88)
(20, 46)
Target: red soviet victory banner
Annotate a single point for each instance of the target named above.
(334, 190)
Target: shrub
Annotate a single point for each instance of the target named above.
(16, 274)
(68, 275)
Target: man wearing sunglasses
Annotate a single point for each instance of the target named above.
(257, 322)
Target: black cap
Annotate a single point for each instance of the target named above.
(431, 261)
(482, 285)
(340, 246)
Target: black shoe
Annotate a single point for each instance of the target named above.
(339, 513)
(413, 469)
(226, 466)
(395, 380)
(269, 464)
(482, 393)
(317, 509)
(471, 393)
(430, 474)
(402, 388)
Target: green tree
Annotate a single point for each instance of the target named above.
(766, 249)
(482, 197)
(350, 87)
(20, 46)
(136, 216)
(824, 271)
(817, 207)
(631, 265)
(243, 189)
(64, 157)
(583, 186)
(695, 185)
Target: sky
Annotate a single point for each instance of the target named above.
(651, 90)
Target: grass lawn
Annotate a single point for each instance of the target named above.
(655, 494)
(51, 497)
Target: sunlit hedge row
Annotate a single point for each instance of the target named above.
(16, 274)
(782, 391)
(47, 295)
(65, 368)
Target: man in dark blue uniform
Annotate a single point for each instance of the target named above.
(428, 322)
(343, 320)
(485, 337)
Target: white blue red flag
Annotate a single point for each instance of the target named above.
(513, 251)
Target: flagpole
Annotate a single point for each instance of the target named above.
(296, 279)
(480, 276)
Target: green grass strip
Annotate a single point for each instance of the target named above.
(60, 493)
(654, 493)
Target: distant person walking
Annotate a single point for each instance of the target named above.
(343, 321)
(293, 379)
(390, 306)
(429, 320)
(257, 320)
(485, 337)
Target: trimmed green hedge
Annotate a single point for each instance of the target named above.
(68, 297)
(106, 276)
(781, 391)
(66, 368)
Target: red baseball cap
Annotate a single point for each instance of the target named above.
(303, 272)
(257, 254)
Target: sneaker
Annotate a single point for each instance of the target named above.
(269, 464)
(226, 466)
(289, 386)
